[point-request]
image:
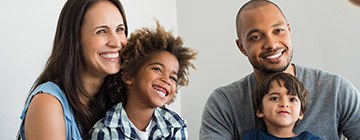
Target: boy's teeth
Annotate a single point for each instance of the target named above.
(162, 92)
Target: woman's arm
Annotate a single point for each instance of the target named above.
(45, 119)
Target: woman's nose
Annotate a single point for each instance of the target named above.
(114, 40)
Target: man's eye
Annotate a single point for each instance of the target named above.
(277, 31)
(255, 38)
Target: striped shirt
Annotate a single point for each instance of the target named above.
(165, 125)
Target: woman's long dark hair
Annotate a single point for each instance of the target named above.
(66, 63)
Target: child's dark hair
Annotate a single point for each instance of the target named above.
(142, 46)
(291, 83)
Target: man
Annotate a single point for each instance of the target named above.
(264, 38)
(355, 2)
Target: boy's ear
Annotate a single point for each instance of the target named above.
(259, 114)
(301, 115)
(127, 80)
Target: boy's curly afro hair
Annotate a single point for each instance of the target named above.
(142, 46)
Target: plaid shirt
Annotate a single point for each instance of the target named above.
(166, 125)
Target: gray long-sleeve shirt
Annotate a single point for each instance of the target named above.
(333, 109)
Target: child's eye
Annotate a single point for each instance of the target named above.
(274, 98)
(174, 79)
(293, 99)
(156, 69)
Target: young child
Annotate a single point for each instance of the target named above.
(280, 100)
(154, 65)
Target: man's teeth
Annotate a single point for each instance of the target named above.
(110, 55)
(274, 56)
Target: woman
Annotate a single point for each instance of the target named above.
(69, 96)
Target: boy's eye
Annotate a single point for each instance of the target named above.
(174, 79)
(293, 99)
(274, 98)
(156, 69)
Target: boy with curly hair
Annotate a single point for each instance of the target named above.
(154, 65)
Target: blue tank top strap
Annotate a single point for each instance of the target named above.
(72, 131)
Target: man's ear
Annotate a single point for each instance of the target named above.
(288, 25)
(259, 114)
(241, 47)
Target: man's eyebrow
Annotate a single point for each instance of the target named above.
(251, 31)
(278, 24)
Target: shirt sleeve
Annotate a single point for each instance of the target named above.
(216, 118)
(349, 105)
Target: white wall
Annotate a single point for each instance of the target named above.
(324, 36)
(27, 32)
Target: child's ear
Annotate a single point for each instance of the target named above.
(259, 114)
(127, 80)
(301, 116)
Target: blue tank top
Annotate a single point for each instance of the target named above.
(72, 131)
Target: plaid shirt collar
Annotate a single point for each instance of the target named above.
(163, 120)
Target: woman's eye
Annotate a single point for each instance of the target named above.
(120, 29)
(101, 32)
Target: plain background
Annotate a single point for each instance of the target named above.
(324, 35)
